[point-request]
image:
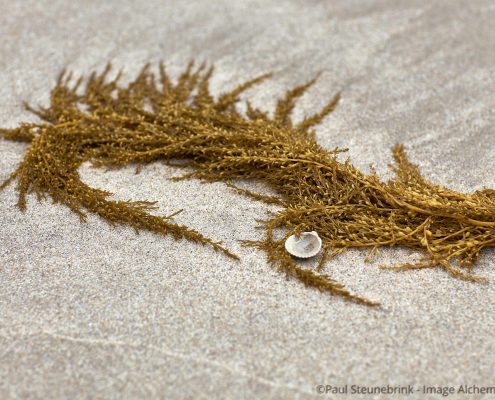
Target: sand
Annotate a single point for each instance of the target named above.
(88, 311)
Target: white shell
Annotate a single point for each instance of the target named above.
(308, 244)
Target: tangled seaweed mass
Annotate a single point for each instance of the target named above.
(153, 118)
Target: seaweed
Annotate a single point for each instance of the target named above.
(98, 120)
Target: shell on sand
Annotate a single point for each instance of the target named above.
(307, 244)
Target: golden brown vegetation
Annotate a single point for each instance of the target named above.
(153, 118)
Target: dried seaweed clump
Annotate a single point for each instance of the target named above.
(153, 118)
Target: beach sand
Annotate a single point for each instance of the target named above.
(88, 311)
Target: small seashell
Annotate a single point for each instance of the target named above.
(308, 244)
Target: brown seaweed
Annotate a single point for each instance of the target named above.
(153, 118)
